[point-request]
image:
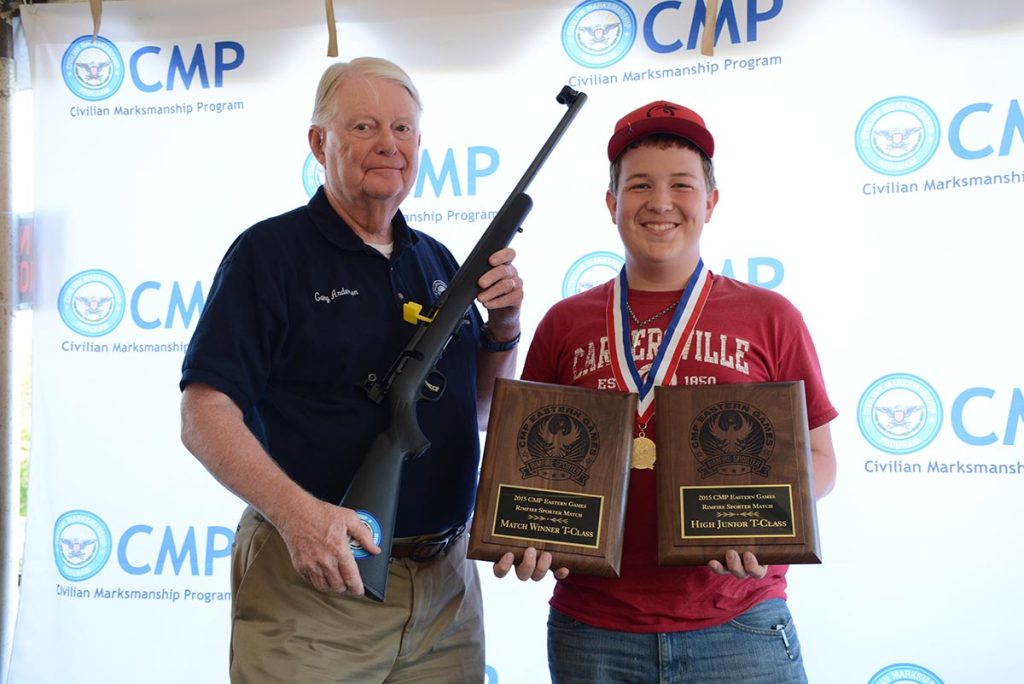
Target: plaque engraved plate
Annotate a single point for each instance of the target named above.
(554, 475)
(547, 515)
(734, 471)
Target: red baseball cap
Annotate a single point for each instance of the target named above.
(661, 117)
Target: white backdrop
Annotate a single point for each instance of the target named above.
(870, 157)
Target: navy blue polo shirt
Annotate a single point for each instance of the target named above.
(300, 312)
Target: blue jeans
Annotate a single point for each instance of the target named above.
(758, 647)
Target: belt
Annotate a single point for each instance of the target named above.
(425, 547)
(421, 549)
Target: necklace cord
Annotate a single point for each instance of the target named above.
(639, 324)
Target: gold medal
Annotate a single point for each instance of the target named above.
(643, 454)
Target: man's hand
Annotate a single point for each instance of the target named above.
(501, 293)
(739, 566)
(318, 541)
(533, 566)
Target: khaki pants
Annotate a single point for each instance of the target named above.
(429, 628)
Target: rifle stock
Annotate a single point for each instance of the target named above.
(373, 493)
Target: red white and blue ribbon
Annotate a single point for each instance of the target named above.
(620, 338)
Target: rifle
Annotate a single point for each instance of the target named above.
(373, 493)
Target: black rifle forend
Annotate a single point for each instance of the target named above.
(373, 493)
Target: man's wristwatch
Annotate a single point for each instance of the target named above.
(492, 345)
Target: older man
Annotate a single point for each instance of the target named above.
(304, 307)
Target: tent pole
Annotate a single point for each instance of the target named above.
(9, 478)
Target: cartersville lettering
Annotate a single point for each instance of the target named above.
(703, 346)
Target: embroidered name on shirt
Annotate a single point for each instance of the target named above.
(328, 298)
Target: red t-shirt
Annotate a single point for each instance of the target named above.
(744, 334)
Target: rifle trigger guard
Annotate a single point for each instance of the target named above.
(433, 386)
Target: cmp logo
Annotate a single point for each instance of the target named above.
(91, 303)
(897, 135)
(904, 672)
(81, 545)
(591, 270)
(598, 33)
(92, 70)
(899, 413)
(373, 525)
(312, 175)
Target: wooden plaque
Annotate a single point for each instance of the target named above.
(554, 475)
(734, 472)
